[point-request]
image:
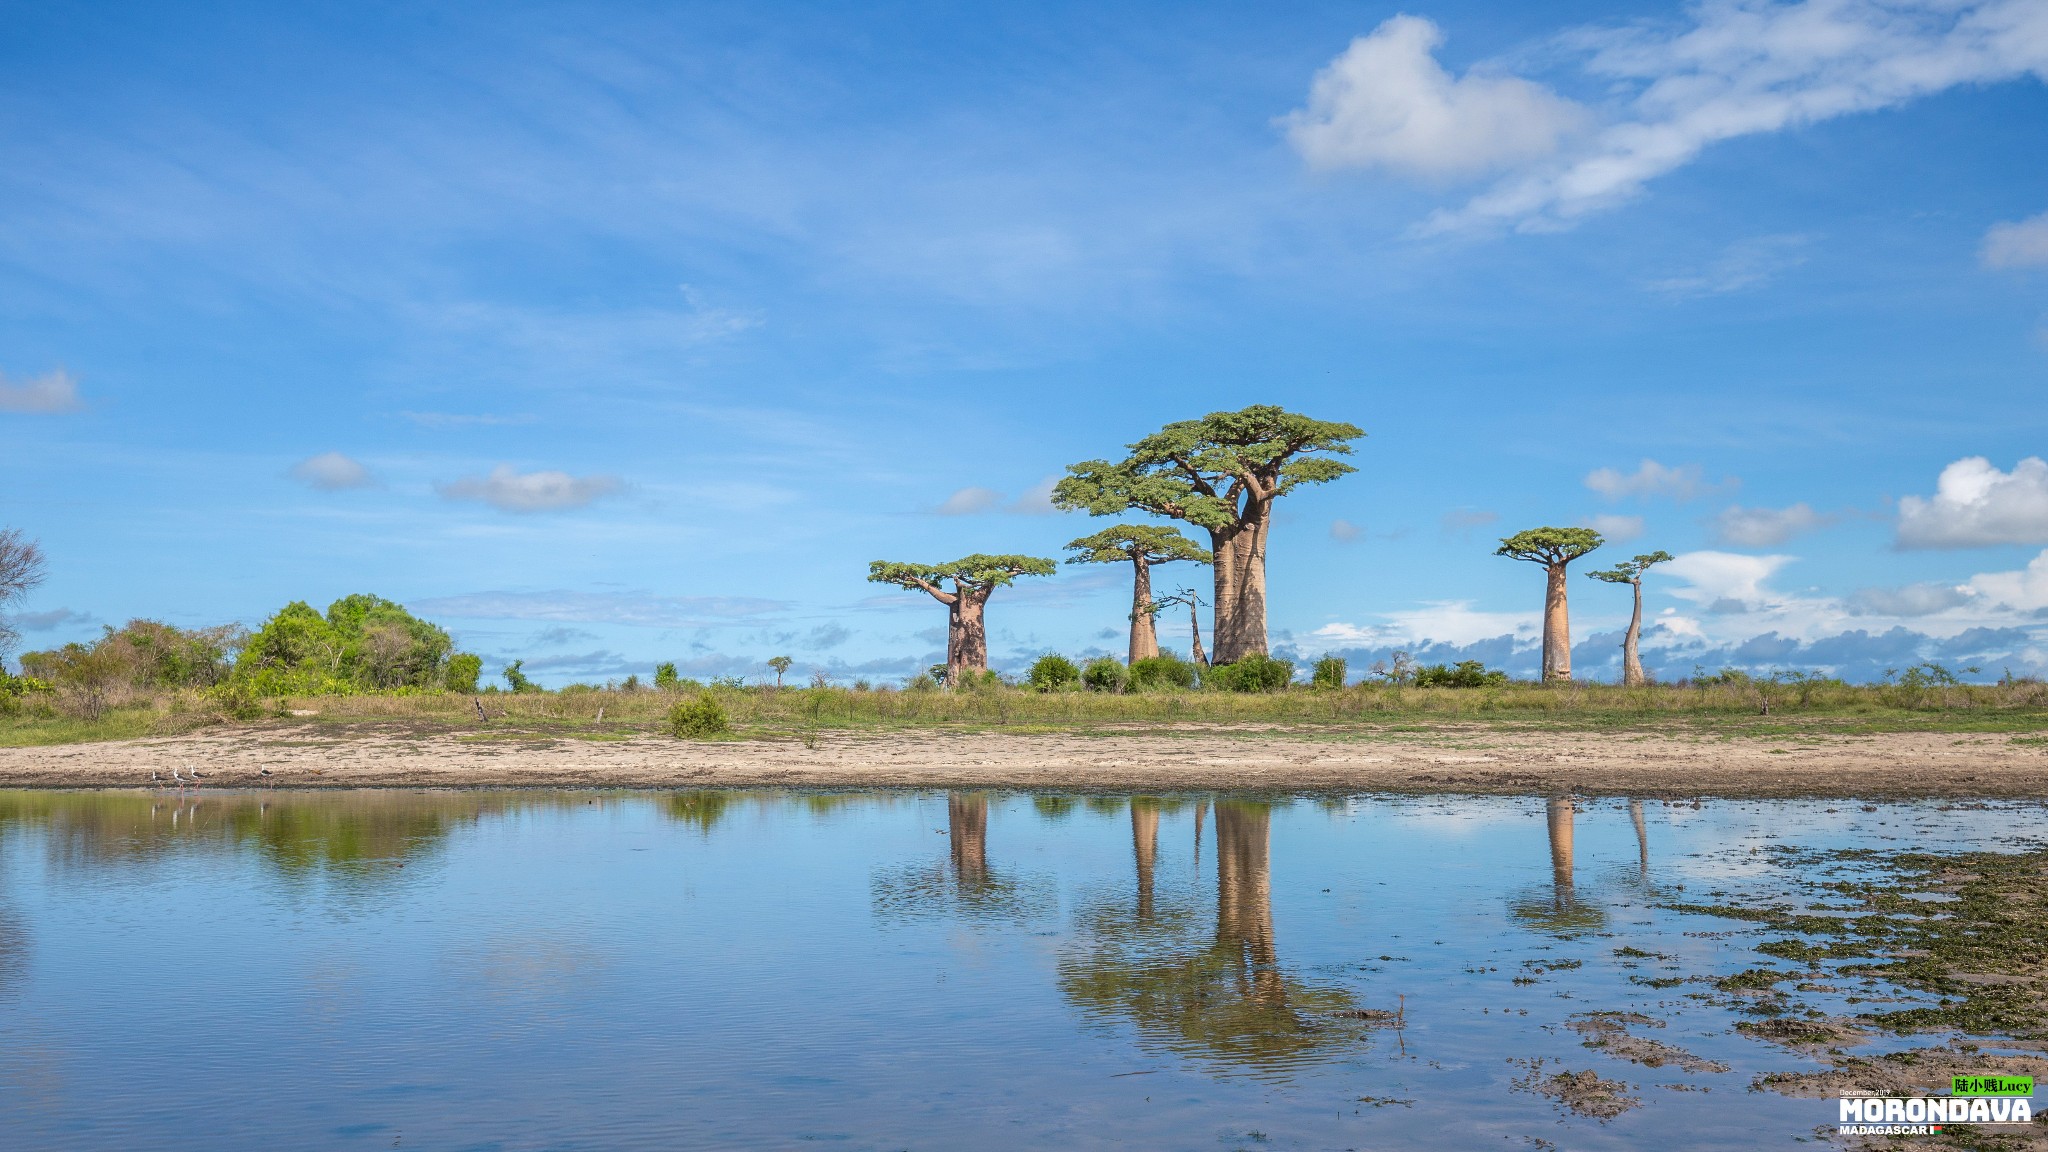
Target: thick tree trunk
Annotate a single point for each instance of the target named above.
(1240, 573)
(1631, 659)
(1144, 626)
(1145, 846)
(970, 654)
(1557, 628)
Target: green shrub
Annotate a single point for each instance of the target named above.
(1463, 674)
(1106, 674)
(236, 700)
(464, 670)
(517, 679)
(1053, 672)
(1253, 673)
(665, 677)
(729, 683)
(698, 719)
(1328, 673)
(363, 642)
(1164, 672)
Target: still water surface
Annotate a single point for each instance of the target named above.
(892, 970)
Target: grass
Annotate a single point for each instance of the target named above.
(2015, 712)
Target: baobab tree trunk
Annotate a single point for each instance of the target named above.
(1631, 660)
(1195, 631)
(1240, 574)
(1144, 626)
(967, 828)
(1244, 897)
(1557, 627)
(1558, 815)
(968, 651)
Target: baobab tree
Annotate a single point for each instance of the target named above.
(1193, 600)
(1143, 545)
(975, 578)
(780, 664)
(1221, 473)
(1554, 548)
(1630, 572)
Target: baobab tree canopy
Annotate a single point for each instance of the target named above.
(1630, 571)
(1143, 545)
(1153, 543)
(1548, 546)
(1222, 473)
(974, 579)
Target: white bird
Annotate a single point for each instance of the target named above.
(180, 779)
(155, 781)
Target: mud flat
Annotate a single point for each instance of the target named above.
(1463, 758)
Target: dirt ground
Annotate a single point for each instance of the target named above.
(1468, 758)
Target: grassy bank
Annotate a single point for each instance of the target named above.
(2018, 710)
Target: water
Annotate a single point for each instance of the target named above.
(572, 970)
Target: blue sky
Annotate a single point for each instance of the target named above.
(606, 333)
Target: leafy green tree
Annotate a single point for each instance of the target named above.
(1463, 674)
(464, 670)
(1052, 672)
(974, 578)
(1221, 473)
(665, 678)
(780, 664)
(515, 676)
(1630, 572)
(1328, 672)
(363, 642)
(1554, 548)
(1143, 545)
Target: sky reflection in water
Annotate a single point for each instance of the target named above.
(568, 970)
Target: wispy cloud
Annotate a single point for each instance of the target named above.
(975, 500)
(1344, 531)
(1745, 264)
(1732, 68)
(2023, 244)
(1462, 521)
(1615, 528)
(1650, 478)
(465, 420)
(47, 394)
(1766, 527)
(331, 472)
(511, 491)
(636, 608)
(1974, 505)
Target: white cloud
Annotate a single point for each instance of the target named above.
(49, 393)
(1344, 531)
(969, 501)
(1616, 529)
(1924, 599)
(1766, 527)
(1650, 479)
(1721, 579)
(1441, 621)
(331, 472)
(1461, 521)
(1748, 67)
(2022, 591)
(1974, 504)
(2018, 245)
(510, 491)
(1387, 103)
(1037, 500)
(444, 420)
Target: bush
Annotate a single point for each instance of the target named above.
(517, 679)
(698, 719)
(1164, 672)
(1328, 673)
(1053, 672)
(235, 700)
(1106, 674)
(1254, 673)
(363, 642)
(464, 670)
(665, 677)
(1463, 674)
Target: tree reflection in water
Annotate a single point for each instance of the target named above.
(963, 884)
(1226, 999)
(1562, 913)
(355, 835)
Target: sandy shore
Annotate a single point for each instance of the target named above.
(1448, 759)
